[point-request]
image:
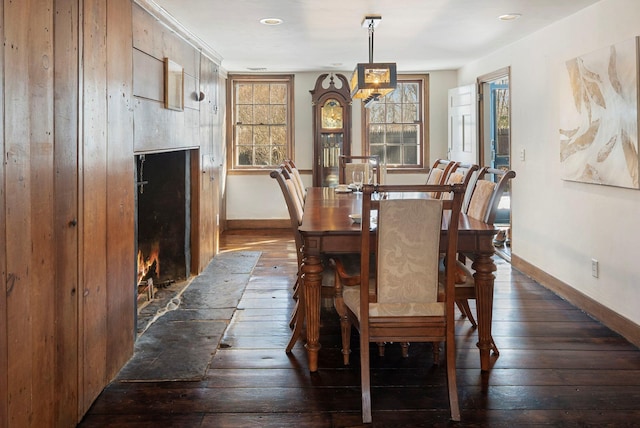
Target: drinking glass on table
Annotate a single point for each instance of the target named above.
(358, 179)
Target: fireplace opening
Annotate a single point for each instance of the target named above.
(163, 222)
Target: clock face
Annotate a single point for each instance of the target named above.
(331, 114)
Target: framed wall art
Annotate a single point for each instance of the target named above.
(599, 117)
(173, 85)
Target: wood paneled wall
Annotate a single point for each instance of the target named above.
(67, 191)
(29, 235)
(66, 119)
(4, 329)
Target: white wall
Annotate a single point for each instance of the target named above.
(559, 226)
(251, 197)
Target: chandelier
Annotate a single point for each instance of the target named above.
(373, 80)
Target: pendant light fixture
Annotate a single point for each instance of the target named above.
(373, 80)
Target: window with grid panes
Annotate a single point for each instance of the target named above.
(262, 109)
(395, 125)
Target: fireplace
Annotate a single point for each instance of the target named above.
(163, 221)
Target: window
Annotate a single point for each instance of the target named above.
(396, 127)
(262, 120)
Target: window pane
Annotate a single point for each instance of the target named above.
(278, 115)
(261, 93)
(279, 135)
(263, 155)
(396, 95)
(376, 113)
(245, 155)
(394, 113)
(410, 155)
(394, 134)
(410, 134)
(409, 113)
(376, 134)
(378, 150)
(261, 135)
(278, 155)
(278, 93)
(244, 114)
(244, 93)
(410, 93)
(394, 155)
(244, 135)
(261, 114)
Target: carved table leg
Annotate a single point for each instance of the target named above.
(311, 282)
(484, 277)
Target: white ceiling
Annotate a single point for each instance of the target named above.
(325, 35)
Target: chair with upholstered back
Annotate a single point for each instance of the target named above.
(439, 173)
(460, 174)
(399, 301)
(290, 166)
(485, 197)
(368, 164)
(295, 208)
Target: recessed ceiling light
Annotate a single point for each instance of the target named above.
(271, 21)
(509, 16)
(336, 64)
(257, 68)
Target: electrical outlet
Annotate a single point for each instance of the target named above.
(594, 268)
(522, 154)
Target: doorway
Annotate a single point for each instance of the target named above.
(494, 114)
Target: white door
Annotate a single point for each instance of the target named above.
(463, 126)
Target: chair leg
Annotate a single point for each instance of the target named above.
(451, 377)
(365, 380)
(463, 305)
(436, 353)
(298, 324)
(345, 329)
(345, 324)
(405, 349)
(494, 347)
(296, 292)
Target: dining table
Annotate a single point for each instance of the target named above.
(328, 229)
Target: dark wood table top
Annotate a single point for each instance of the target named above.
(327, 212)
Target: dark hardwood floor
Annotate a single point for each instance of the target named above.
(557, 367)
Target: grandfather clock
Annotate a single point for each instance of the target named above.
(331, 129)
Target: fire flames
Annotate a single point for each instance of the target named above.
(150, 264)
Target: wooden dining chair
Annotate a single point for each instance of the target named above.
(396, 299)
(483, 205)
(460, 174)
(290, 166)
(368, 164)
(296, 209)
(439, 173)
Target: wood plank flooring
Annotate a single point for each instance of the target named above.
(557, 367)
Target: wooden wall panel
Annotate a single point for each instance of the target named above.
(191, 92)
(18, 218)
(66, 27)
(93, 315)
(152, 37)
(29, 198)
(148, 75)
(67, 201)
(121, 257)
(148, 81)
(4, 397)
(160, 129)
(208, 184)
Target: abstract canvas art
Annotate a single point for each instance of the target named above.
(599, 121)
